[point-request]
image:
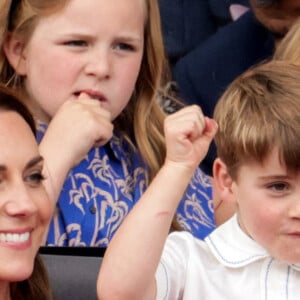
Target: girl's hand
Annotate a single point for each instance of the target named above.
(78, 126)
(74, 130)
(188, 135)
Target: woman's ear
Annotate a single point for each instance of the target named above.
(224, 203)
(14, 51)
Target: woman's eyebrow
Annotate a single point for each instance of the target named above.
(29, 165)
(33, 162)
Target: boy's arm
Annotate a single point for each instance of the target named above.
(130, 262)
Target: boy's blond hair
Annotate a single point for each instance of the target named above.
(260, 110)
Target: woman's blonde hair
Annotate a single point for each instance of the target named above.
(260, 110)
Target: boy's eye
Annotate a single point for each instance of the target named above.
(278, 186)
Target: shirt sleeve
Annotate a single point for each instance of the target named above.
(171, 272)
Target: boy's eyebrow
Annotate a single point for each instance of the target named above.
(274, 177)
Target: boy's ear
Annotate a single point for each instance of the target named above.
(222, 180)
(14, 51)
(224, 204)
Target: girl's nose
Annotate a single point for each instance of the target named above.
(99, 64)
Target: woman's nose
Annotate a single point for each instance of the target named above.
(19, 201)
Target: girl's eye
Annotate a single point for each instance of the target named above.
(279, 186)
(76, 43)
(124, 47)
(35, 178)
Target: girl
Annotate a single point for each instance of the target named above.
(109, 56)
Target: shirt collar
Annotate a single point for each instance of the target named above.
(234, 248)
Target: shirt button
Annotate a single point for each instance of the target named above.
(93, 209)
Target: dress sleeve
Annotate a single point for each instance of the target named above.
(195, 212)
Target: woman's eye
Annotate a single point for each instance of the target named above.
(35, 178)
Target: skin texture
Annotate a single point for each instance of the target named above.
(24, 204)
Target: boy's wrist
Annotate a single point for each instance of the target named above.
(179, 168)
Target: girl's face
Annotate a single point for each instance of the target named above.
(91, 46)
(25, 208)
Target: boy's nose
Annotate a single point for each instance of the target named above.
(295, 209)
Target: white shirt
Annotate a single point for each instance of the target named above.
(227, 265)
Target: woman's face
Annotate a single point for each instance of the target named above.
(25, 208)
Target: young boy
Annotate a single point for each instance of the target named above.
(254, 255)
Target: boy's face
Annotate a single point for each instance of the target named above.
(268, 199)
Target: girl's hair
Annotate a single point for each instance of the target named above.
(37, 286)
(142, 120)
(288, 49)
(259, 111)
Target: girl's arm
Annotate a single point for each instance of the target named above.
(74, 130)
(129, 265)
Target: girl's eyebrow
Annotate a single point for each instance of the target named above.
(82, 35)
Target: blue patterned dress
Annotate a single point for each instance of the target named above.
(100, 191)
